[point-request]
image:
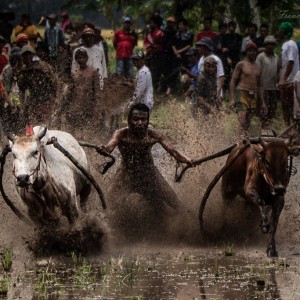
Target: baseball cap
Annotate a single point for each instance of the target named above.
(138, 55)
(88, 30)
(27, 48)
(270, 39)
(206, 41)
(171, 19)
(251, 45)
(52, 16)
(191, 51)
(127, 20)
(21, 37)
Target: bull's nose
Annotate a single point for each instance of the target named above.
(280, 191)
(23, 180)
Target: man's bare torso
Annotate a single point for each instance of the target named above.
(249, 75)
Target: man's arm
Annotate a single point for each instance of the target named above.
(234, 82)
(112, 144)
(287, 73)
(164, 141)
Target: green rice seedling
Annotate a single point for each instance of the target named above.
(229, 251)
(84, 276)
(4, 284)
(7, 259)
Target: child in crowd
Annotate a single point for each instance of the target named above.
(85, 92)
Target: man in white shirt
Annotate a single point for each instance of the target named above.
(205, 46)
(143, 92)
(289, 69)
(96, 56)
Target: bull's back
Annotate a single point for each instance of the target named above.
(233, 179)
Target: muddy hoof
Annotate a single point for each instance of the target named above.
(272, 253)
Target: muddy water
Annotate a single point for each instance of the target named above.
(163, 275)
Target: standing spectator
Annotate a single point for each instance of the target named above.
(159, 17)
(289, 68)
(54, 39)
(269, 63)
(125, 40)
(193, 71)
(66, 21)
(85, 94)
(206, 88)
(143, 92)
(27, 28)
(9, 79)
(6, 28)
(169, 60)
(259, 41)
(218, 40)
(96, 57)
(206, 47)
(182, 42)
(246, 78)
(154, 43)
(251, 36)
(3, 54)
(231, 49)
(207, 30)
(38, 87)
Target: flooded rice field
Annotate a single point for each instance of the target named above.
(223, 274)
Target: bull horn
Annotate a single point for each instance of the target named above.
(263, 143)
(288, 141)
(11, 137)
(42, 133)
(274, 133)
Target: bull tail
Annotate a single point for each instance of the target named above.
(214, 182)
(5, 151)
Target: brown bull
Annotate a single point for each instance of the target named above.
(260, 175)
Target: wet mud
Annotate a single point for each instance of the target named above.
(132, 251)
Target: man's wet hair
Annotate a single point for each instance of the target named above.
(232, 23)
(183, 21)
(140, 107)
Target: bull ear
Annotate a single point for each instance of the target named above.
(11, 137)
(42, 133)
(263, 143)
(294, 151)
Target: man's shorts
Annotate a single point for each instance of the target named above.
(246, 100)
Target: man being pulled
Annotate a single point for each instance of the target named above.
(138, 176)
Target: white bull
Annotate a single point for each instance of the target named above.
(47, 181)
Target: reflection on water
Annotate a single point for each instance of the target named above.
(160, 277)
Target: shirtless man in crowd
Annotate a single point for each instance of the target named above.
(245, 79)
(138, 173)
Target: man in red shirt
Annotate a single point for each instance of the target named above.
(207, 30)
(125, 40)
(154, 43)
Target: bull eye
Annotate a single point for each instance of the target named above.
(34, 153)
(14, 156)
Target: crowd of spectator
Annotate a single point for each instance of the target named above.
(206, 66)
